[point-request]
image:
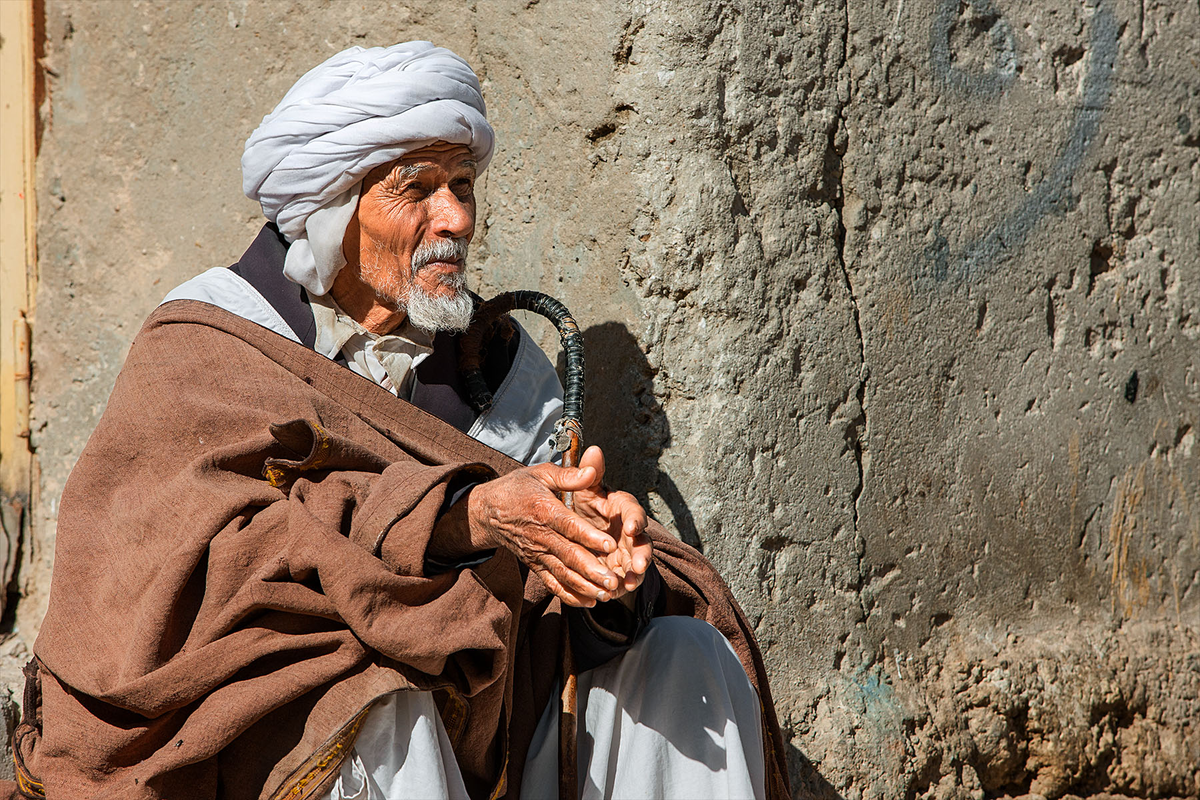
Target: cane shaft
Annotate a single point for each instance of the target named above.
(568, 440)
(568, 725)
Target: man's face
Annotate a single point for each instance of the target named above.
(415, 218)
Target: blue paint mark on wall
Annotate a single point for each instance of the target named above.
(1052, 193)
(879, 704)
(1004, 63)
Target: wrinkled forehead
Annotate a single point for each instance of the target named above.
(440, 157)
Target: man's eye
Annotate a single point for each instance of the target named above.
(413, 189)
(463, 187)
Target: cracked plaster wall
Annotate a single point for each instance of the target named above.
(865, 289)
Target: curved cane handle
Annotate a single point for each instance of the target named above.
(568, 432)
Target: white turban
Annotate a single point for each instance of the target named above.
(361, 108)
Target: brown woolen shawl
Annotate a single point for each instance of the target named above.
(208, 631)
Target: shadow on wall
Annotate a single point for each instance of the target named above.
(622, 416)
(807, 783)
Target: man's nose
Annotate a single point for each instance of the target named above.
(450, 217)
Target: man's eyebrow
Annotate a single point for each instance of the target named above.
(406, 172)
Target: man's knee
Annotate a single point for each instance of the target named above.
(685, 634)
(686, 648)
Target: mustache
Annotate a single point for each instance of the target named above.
(438, 250)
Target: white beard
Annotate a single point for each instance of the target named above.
(429, 312)
(432, 312)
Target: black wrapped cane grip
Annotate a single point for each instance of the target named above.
(486, 317)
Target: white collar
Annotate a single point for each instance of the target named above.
(389, 360)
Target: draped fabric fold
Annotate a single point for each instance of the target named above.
(192, 597)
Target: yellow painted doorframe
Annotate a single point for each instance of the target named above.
(18, 262)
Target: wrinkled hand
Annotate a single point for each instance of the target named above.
(596, 553)
(622, 516)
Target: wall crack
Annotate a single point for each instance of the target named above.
(857, 427)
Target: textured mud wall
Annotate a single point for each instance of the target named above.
(891, 308)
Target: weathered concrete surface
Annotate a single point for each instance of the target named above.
(864, 287)
(1020, 201)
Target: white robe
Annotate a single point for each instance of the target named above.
(655, 726)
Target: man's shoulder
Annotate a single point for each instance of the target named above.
(226, 289)
(255, 289)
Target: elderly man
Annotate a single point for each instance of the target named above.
(293, 562)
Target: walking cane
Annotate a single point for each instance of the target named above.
(568, 436)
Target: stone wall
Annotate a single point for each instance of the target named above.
(892, 309)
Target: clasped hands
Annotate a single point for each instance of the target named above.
(598, 552)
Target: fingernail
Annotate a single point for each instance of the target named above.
(609, 545)
(610, 582)
(602, 597)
